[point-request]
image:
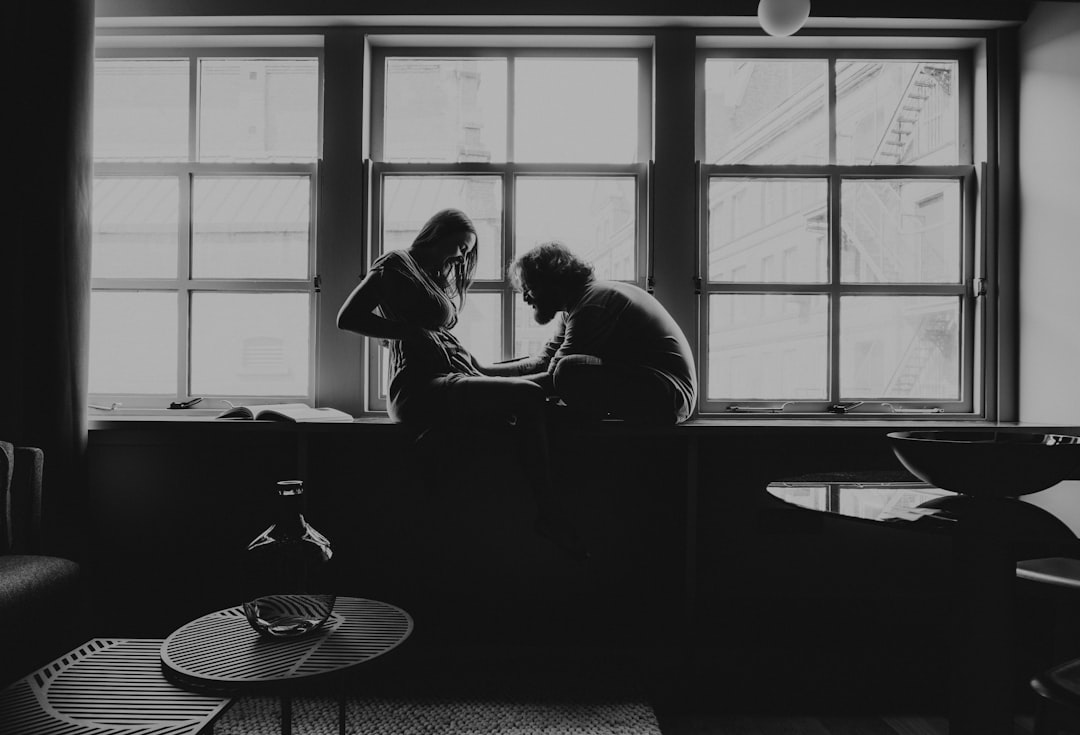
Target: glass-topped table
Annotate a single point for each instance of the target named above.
(989, 535)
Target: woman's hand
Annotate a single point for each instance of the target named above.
(358, 314)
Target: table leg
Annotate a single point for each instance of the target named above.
(982, 637)
(341, 705)
(286, 715)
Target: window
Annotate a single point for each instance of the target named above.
(842, 217)
(849, 180)
(203, 245)
(533, 145)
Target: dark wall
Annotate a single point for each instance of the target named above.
(693, 565)
(950, 9)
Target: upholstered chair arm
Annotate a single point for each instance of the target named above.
(20, 506)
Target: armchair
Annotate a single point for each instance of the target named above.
(40, 595)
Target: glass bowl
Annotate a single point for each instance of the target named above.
(999, 464)
(288, 616)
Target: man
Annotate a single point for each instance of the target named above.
(617, 352)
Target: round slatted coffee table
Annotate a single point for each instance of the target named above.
(220, 652)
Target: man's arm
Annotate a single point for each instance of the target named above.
(536, 368)
(518, 367)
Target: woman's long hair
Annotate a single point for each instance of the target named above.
(442, 224)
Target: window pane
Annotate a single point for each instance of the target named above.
(133, 342)
(408, 202)
(258, 109)
(141, 109)
(900, 231)
(479, 326)
(576, 110)
(768, 230)
(759, 111)
(596, 216)
(900, 347)
(135, 227)
(896, 112)
(250, 227)
(445, 110)
(250, 344)
(768, 346)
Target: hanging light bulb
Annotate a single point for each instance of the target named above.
(782, 17)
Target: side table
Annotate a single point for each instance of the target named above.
(221, 653)
(106, 686)
(988, 536)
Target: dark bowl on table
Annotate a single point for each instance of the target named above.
(995, 464)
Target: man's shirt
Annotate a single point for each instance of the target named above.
(621, 323)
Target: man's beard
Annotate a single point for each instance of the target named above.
(543, 315)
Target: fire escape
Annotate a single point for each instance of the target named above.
(899, 132)
(872, 232)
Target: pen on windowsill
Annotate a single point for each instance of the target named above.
(185, 404)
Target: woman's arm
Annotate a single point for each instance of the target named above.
(358, 315)
(519, 367)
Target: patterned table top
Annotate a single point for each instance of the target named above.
(221, 651)
(106, 687)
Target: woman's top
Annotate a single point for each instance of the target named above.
(411, 295)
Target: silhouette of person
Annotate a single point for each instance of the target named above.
(410, 299)
(616, 353)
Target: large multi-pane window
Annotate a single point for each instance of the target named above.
(203, 245)
(837, 255)
(533, 145)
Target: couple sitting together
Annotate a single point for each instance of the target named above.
(616, 353)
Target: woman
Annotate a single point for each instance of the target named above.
(411, 299)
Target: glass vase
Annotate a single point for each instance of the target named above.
(289, 590)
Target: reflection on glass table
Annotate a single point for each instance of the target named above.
(884, 501)
(897, 499)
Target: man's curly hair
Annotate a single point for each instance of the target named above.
(550, 266)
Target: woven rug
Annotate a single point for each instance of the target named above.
(315, 715)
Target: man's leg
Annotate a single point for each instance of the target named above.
(594, 389)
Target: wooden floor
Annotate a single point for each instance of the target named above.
(833, 725)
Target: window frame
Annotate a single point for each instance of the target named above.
(969, 288)
(183, 284)
(509, 172)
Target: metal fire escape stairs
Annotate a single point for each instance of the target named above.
(871, 239)
(933, 336)
(899, 132)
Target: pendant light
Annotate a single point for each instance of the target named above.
(783, 17)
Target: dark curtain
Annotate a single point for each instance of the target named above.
(45, 263)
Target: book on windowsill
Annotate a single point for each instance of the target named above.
(299, 412)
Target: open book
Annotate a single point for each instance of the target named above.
(284, 412)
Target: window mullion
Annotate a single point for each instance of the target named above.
(835, 246)
(831, 87)
(183, 279)
(511, 73)
(835, 239)
(509, 325)
(186, 229)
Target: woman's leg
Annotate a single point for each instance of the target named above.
(521, 404)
